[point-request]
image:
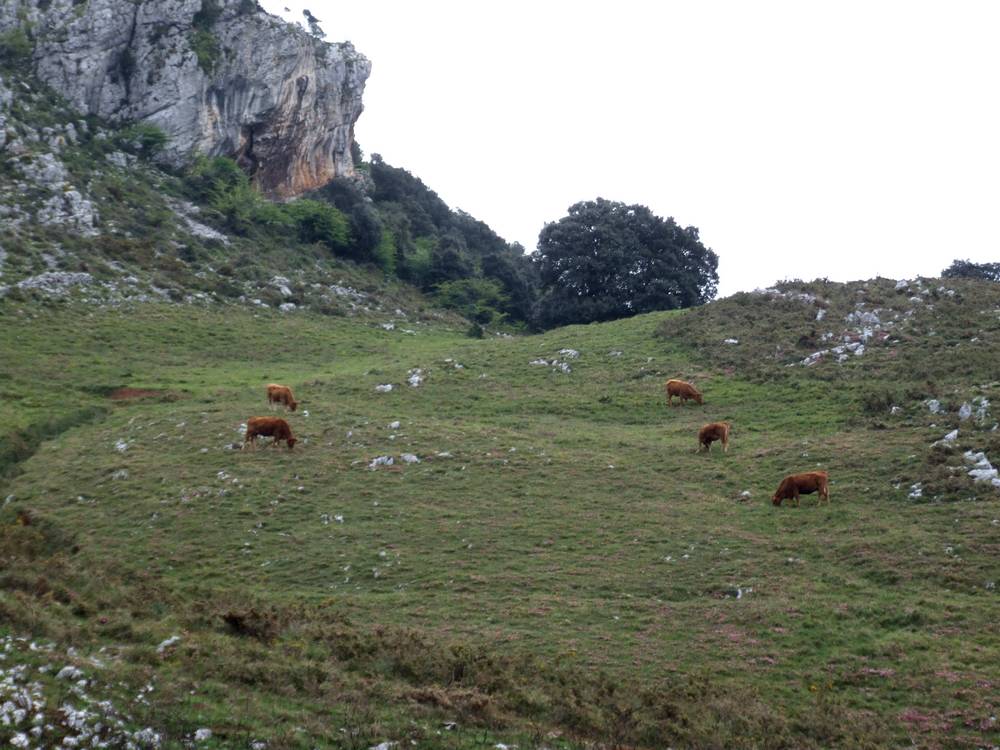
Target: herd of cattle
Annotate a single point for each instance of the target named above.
(789, 489)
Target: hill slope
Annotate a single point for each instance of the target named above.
(558, 567)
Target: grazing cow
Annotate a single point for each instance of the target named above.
(683, 391)
(281, 394)
(803, 484)
(275, 427)
(712, 432)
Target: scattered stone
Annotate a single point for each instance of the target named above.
(171, 641)
(965, 411)
(69, 672)
(56, 283)
(287, 306)
(916, 491)
(381, 461)
(569, 353)
(385, 388)
(201, 735)
(410, 458)
(282, 285)
(416, 377)
(731, 341)
(951, 437)
(934, 405)
(394, 425)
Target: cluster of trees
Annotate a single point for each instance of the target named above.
(602, 261)
(966, 269)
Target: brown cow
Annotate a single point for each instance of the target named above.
(682, 390)
(712, 432)
(803, 484)
(275, 427)
(281, 394)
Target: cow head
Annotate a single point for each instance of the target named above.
(291, 442)
(776, 499)
(293, 405)
(697, 397)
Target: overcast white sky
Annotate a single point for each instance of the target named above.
(804, 139)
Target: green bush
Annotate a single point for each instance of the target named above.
(385, 252)
(480, 300)
(15, 48)
(206, 47)
(143, 139)
(319, 222)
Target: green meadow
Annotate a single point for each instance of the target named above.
(558, 567)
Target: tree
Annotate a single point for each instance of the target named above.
(966, 269)
(607, 260)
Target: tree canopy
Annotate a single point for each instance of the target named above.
(966, 269)
(608, 260)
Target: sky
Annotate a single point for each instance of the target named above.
(841, 139)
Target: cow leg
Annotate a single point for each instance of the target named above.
(795, 497)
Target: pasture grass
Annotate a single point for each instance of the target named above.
(561, 566)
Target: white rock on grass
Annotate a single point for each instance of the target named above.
(409, 458)
(983, 408)
(540, 362)
(948, 439)
(384, 388)
(965, 411)
(282, 285)
(916, 491)
(55, 283)
(381, 461)
(570, 353)
(394, 425)
(171, 641)
(201, 735)
(416, 377)
(730, 341)
(933, 405)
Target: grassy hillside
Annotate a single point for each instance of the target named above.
(560, 568)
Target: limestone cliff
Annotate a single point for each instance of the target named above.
(220, 77)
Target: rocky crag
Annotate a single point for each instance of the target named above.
(218, 77)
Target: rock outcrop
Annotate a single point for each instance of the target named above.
(219, 77)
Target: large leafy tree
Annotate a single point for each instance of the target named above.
(608, 260)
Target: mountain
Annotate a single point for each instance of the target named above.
(217, 77)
